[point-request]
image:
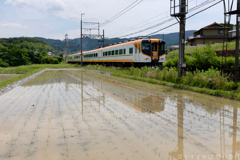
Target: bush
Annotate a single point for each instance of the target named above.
(49, 60)
(55, 61)
(60, 59)
(3, 63)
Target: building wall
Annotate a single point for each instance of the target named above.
(212, 32)
(198, 41)
(213, 41)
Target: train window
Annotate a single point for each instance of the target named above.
(116, 52)
(146, 46)
(124, 51)
(154, 47)
(162, 47)
(112, 52)
(97, 54)
(130, 50)
(120, 51)
(109, 53)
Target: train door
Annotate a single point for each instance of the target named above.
(139, 52)
(136, 54)
(155, 50)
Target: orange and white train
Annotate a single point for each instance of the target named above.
(141, 52)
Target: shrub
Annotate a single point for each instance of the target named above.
(60, 59)
(49, 60)
(55, 61)
(3, 63)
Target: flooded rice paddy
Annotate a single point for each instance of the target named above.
(71, 114)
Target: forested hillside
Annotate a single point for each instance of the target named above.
(89, 44)
(26, 43)
(25, 51)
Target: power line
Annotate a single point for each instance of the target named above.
(186, 18)
(115, 7)
(170, 19)
(121, 13)
(146, 21)
(92, 6)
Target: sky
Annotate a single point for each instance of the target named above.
(54, 18)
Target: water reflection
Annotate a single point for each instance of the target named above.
(203, 127)
(178, 153)
(236, 145)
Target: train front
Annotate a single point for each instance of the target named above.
(155, 49)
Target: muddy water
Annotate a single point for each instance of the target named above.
(80, 115)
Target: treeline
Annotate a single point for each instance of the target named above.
(26, 43)
(25, 51)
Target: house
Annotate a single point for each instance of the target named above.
(213, 33)
(49, 53)
(232, 33)
(173, 48)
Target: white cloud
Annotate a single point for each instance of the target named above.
(53, 6)
(18, 3)
(15, 25)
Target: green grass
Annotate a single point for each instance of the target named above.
(28, 70)
(5, 77)
(218, 86)
(172, 54)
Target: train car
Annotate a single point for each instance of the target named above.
(141, 52)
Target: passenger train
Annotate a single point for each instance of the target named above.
(140, 52)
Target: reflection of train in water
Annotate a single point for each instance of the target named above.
(139, 52)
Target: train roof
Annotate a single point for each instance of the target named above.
(118, 45)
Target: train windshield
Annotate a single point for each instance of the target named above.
(154, 47)
(146, 46)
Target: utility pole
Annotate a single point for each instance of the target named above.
(236, 75)
(179, 9)
(88, 35)
(228, 11)
(103, 38)
(81, 42)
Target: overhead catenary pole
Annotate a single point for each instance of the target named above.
(179, 9)
(103, 39)
(236, 75)
(181, 64)
(81, 43)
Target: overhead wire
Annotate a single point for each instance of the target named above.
(119, 4)
(92, 6)
(107, 21)
(186, 18)
(121, 13)
(170, 19)
(145, 21)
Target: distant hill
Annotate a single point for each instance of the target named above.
(26, 43)
(89, 44)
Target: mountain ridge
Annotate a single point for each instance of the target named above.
(89, 44)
